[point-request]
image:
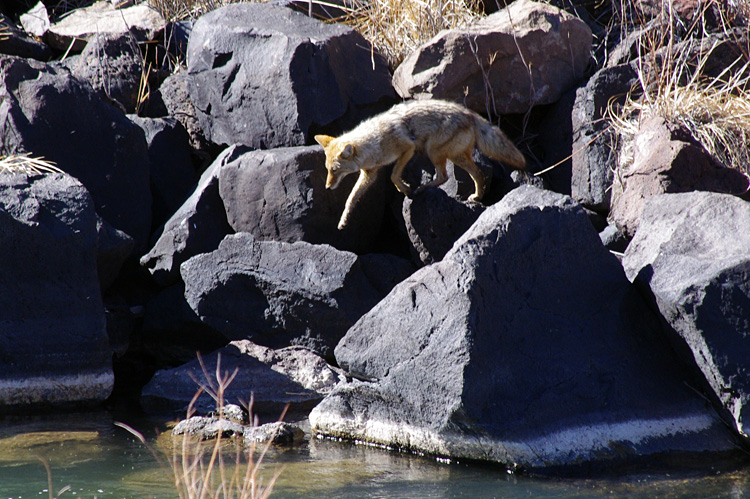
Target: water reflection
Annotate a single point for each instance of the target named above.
(97, 459)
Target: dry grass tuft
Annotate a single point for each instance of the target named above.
(673, 84)
(23, 163)
(397, 28)
(202, 470)
(178, 10)
(394, 27)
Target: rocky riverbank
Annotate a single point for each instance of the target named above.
(579, 317)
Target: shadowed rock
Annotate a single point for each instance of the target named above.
(526, 345)
(53, 339)
(269, 378)
(47, 112)
(279, 294)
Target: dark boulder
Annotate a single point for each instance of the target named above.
(53, 338)
(691, 254)
(279, 294)
(173, 99)
(171, 171)
(113, 65)
(47, 112)
(280, 195)
(262, 75)
(594, 152)
(434, 221)
(526, 345)
(198, 226)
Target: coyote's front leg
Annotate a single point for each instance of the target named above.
(363, 182)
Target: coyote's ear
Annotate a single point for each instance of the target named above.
(323, 140)
(348, 151)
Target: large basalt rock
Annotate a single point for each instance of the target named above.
(47, 112)
(270, 379)
(666, 159)
(594, 153)
(172, 99)
(280, 195)
(53, 339)
(434, 221)
(113, 65)
(691, 255)
(171, 171)
(555, 48)
(198, 226)
(526, 345)
(263, 75)
(279, 294)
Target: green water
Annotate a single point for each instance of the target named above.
(97, 459)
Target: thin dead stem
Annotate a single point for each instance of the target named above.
(50, 488)
(201, 470)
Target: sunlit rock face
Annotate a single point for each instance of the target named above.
(526, 345)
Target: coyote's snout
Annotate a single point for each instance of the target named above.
(443, 130)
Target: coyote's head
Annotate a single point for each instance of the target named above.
(341, 159)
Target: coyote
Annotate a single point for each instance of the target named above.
(443, 130)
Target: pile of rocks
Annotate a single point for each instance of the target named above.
(192, 215)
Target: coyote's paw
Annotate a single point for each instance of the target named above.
(343, 223)
(404, 189)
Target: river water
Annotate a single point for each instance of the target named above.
(97, 459)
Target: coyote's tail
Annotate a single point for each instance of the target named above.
(495, 144)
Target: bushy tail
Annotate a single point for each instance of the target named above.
(495, 144)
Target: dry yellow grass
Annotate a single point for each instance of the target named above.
(673, 84)
(397, 28)
(178, 10)
(394, 27)
(202, 470)
(23, 163)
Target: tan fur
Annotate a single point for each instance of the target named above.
(443, 130)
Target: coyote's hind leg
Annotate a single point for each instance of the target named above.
(398, 170)
(465, 162)
(441, 172)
